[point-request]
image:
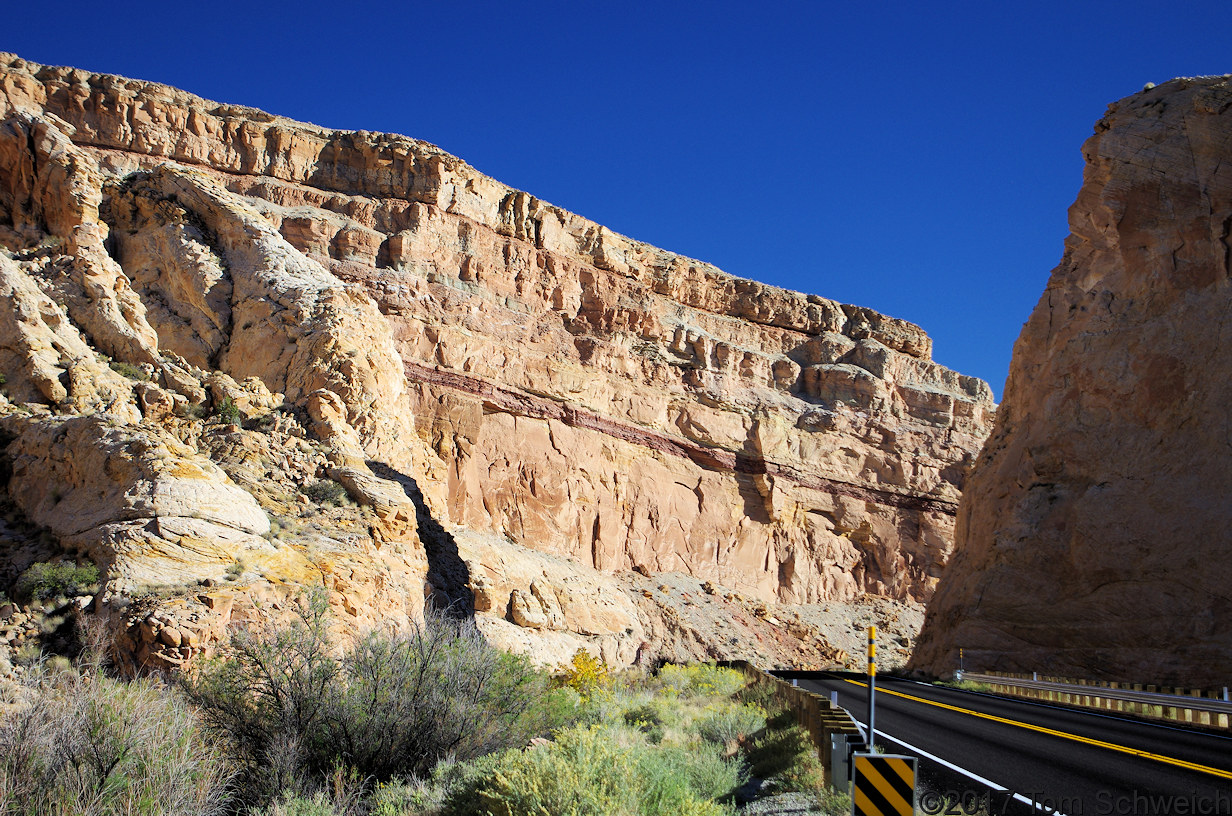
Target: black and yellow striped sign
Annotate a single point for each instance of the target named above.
(883, 785)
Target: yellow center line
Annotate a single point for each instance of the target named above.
(1180, 763)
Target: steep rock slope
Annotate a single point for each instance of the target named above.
(467, 357)
(1095, 534)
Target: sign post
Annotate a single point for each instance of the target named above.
(872, 682)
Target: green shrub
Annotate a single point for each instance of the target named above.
(102, 746)
(969, 685)
(129, 370)
(787, 760)
(227, 411)
(236, 569)
(701, 678)
(340, 794)
(296, 805)
(50, 624)
(675, 775)
(761, 694)
(729, 721)
(398, 798)
(327, 492)
(392, 705)
(589, 772)
(648, 719)
(28, 654)
(643, 717)
(47, 579)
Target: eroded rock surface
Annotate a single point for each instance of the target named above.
(1094, 534)
(466, 357)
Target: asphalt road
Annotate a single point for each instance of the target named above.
(1055, 759)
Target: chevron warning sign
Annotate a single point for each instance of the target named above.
(883, 785)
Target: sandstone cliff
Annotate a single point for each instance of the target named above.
(493, 379)
(1095, 535)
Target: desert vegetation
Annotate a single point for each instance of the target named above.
(46, 580)
(75, 740)
(427, 722)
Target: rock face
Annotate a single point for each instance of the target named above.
(470, 357)
(1095, 535)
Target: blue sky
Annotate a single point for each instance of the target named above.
(917, 159)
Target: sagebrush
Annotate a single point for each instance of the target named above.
(594, 772)
(103, 746)
(392, 705)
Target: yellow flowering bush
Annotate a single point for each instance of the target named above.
(585, 673)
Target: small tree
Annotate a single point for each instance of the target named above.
(268, 696)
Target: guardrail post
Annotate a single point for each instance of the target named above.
(838, 764)
(814, 720)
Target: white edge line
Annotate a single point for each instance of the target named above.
(975, 777)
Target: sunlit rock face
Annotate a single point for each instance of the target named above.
(459, 352)
(1095, 533)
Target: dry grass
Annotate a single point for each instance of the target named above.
(101, 746)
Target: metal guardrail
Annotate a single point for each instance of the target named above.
(1109, 693)
(816, 714)
(1175, 707)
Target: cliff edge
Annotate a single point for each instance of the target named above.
(518, 402)
(1094, 535)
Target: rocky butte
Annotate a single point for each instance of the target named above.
(1095, 533)
(245, 355)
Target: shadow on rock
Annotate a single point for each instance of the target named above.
(448, 575)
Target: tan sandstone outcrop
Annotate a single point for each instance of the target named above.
(546, 605)
(138, 502)
(474, 359)
(1095, 533)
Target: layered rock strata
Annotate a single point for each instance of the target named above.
(1094, 534)
(520, 372)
